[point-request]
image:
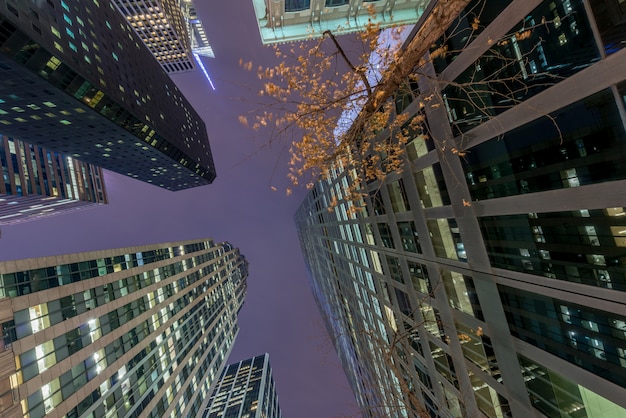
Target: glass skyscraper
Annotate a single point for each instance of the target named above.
(245, 390)
(37, 182)
(142, 331)
(486, 278)
(77, 79)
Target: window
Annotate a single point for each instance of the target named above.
(397, 194)
(385, 235)
(408, 237)
(524, 63)
(297, 5)
(330, 3)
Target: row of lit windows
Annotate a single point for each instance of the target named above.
(96, 363)
(19, 283)
(150, 360)
(587, 337)
(578, 246)
(39, 317)
(53, 351)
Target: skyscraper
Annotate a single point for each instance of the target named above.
(141, 331)
(245, 390)
(293, 20)
(170, 29)
(197, 34)
(37, 182)
(78, 80)
(487, 278)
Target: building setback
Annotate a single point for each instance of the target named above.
(142, 331)
(245, 390)
(493, 265)
(78, 80)
(38, 183)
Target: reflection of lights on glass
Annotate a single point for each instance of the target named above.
(96, 356)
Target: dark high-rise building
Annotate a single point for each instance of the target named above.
(77, 79)
(142, 331)
(38, 183)
(487, 278)
(245, 390)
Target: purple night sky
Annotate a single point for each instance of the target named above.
(279, 316)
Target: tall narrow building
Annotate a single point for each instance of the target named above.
(245, 390)
(77, 79)
(487, 278)
(142, 331)
(39, 183)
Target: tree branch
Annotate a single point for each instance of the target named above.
(358, 71)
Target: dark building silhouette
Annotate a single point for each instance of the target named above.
(77, 79)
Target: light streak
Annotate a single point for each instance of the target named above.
(201, 65)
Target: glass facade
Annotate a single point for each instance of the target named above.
(471, 22)
(610, 16)
(585, 146)
(495, 255)
(144, 331)
(59, 70)
(590, 338)
(554, 41)
(583, 246)
(37, 182)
